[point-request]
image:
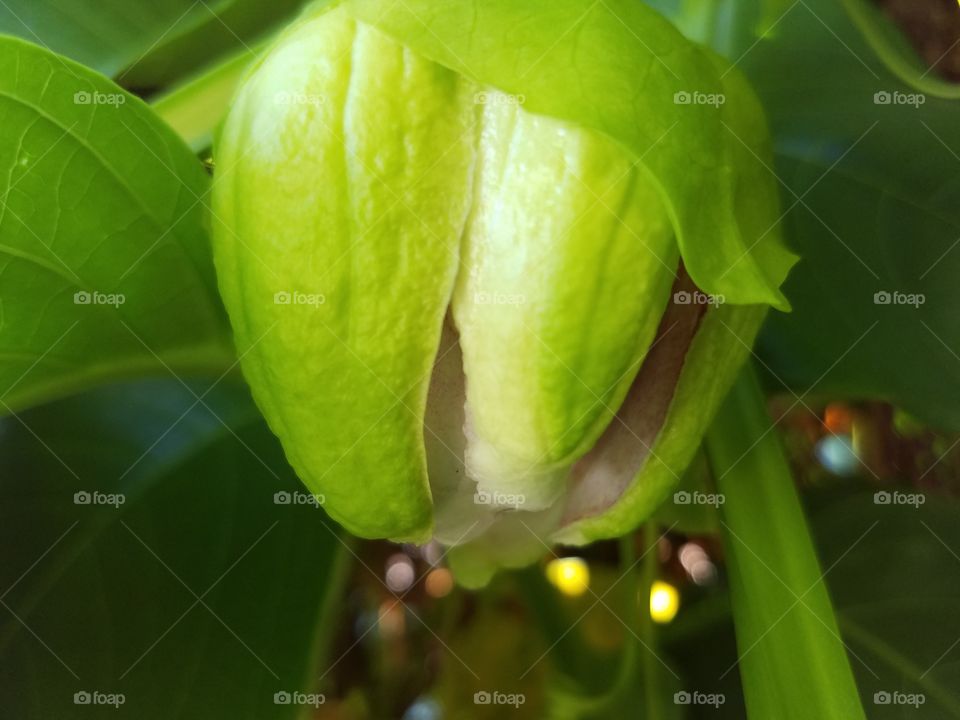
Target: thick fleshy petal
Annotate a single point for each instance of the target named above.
(568, 259)
(343, 177)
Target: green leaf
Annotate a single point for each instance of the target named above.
(896, 583)
(229, 27)
(870, 191)
(626, 87)
(792, 659)
(103, 247)
(150, 42)
(197, 106)
(102, 34)
(197, 596)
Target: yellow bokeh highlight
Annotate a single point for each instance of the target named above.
(664, 602)
(570, 575)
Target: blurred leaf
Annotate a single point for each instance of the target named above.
(237, 26)
(893, 48)
(896, 582)
(154, 41)
(104, 252)
(197, 596)
(196, 107)
(870, 173)
(792, 660)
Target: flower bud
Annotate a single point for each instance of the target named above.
(466, 314)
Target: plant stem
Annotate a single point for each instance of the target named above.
(792, 662)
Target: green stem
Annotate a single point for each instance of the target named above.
(792, 663)
(341, 565)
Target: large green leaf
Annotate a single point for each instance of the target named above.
(638, 83)
(894, 575)
(871, 196)
(103, 246)
(198, 596)
(145, 43)
(792, 660)
(896, 582)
